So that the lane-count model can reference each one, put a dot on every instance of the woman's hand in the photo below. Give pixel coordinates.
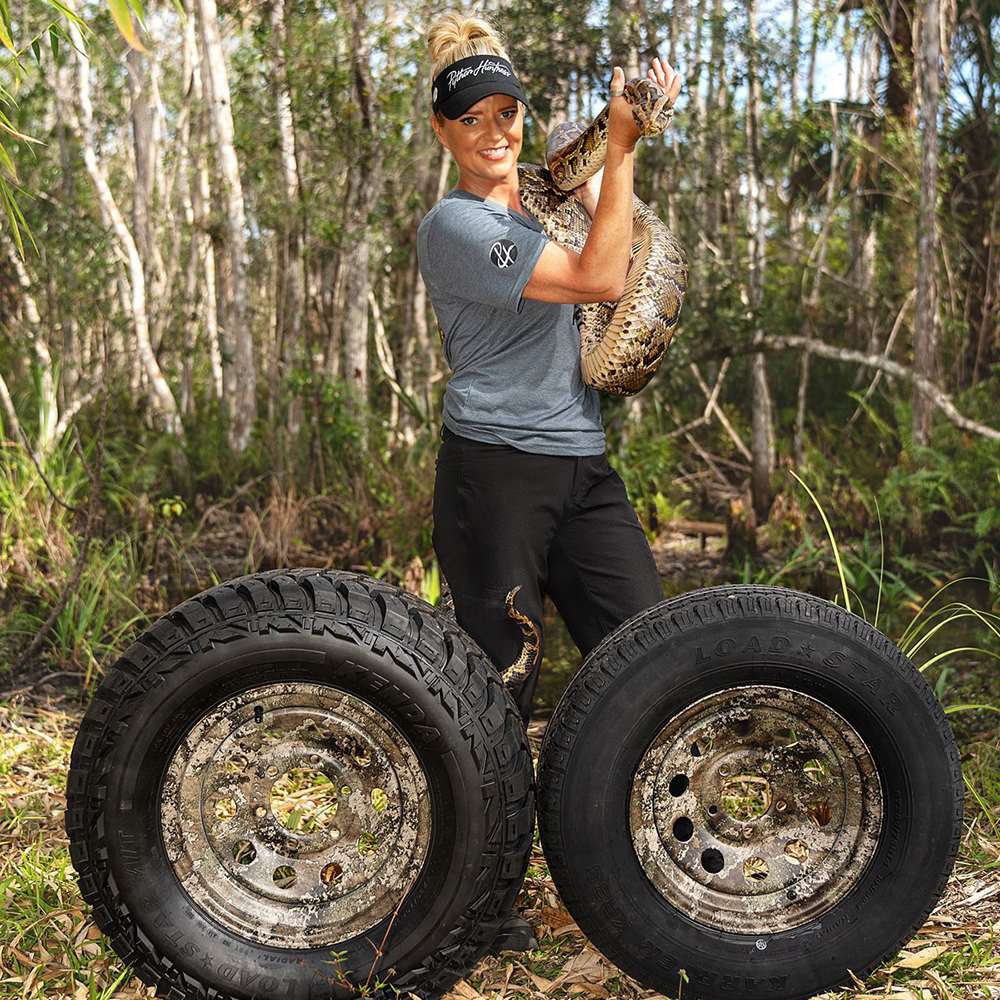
(622, 129)
(589, 191)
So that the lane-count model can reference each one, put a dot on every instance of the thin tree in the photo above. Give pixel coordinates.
(925, 334)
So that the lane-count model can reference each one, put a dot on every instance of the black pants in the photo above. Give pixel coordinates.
(554, 524)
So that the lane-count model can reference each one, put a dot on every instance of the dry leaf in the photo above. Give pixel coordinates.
(540, 981)
(588, 967)
(465, 991)
(921, 958)
(555, 917)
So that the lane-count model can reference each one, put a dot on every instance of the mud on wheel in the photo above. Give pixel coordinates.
(298, 784)
(754, 786)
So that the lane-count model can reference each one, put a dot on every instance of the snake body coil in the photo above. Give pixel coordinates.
(623, 342)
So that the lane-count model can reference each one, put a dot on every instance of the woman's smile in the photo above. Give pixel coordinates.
(489, 132)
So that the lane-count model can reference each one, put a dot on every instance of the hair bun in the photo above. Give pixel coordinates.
(455, 35)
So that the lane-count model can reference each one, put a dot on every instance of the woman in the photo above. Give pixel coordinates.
(524, 500)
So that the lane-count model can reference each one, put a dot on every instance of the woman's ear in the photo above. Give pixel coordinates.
(438, 130)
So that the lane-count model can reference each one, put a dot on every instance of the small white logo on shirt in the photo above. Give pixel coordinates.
(434, 95)
(503, 253)
(484, 65)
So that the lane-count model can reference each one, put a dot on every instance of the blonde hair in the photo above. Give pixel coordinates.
(455, 36)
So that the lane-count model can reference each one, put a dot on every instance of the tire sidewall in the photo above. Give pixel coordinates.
(147, 885)
(618, 711)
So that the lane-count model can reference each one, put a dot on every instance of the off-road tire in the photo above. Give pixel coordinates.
(353, 634)
(652, 669)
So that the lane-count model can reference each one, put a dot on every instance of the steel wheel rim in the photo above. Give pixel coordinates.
(756, 809)
(250, 861)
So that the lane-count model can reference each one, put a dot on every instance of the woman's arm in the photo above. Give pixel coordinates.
(588, 193)
(597, 273)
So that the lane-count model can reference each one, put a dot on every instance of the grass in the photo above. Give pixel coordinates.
(51, 950)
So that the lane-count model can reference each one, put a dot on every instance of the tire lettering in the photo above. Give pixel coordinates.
(128, 847)
(753, 646)
(779, 643)
(857, 668)
(834, 659)
(724, 646)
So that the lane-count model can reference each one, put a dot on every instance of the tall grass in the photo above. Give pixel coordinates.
(39, 547)
(926, 624)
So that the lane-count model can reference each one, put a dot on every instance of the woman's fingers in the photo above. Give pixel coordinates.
(667, 78)
(617, 81)
(660, 72)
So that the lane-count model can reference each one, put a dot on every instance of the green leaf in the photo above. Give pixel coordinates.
(969, 708)
(121, 12)
(833, 540)
(69, 14)
(136, 6)
(54, 40)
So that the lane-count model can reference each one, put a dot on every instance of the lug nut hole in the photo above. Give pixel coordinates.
(712, 861)
(284, 876)
(244, 853)
(678, 785)
(755, 869)
(683, 828)
(331, 874)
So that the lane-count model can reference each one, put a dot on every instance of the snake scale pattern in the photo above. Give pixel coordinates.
(623, 342)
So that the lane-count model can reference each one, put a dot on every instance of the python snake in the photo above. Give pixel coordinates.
(623, 342)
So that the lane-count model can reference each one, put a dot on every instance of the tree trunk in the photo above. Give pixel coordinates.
(811, 302)
(762, 421)
(242, 403)
(366, 183)
(161, 397)
(291, 297)
(202, 245)
(925, 332)
(48, 403)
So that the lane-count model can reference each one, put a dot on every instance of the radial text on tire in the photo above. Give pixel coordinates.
(283, 695)
(751, 785)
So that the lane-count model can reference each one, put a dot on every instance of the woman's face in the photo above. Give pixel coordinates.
(495, 121)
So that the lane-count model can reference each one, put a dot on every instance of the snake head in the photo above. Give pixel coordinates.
(652, 107)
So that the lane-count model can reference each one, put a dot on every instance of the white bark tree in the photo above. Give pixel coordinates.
(241, 390)
(161, 397)
(925, 335)
(290, 299)
(762, 419)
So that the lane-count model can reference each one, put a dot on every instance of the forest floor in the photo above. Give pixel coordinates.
(51, 950)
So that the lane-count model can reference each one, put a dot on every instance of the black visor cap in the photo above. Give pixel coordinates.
(458, 86)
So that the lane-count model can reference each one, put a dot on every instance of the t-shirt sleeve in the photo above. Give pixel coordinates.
(480, 256)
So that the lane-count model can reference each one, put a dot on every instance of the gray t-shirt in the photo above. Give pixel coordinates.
(515, 361)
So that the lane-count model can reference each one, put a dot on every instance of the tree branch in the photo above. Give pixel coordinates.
(937, 396)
